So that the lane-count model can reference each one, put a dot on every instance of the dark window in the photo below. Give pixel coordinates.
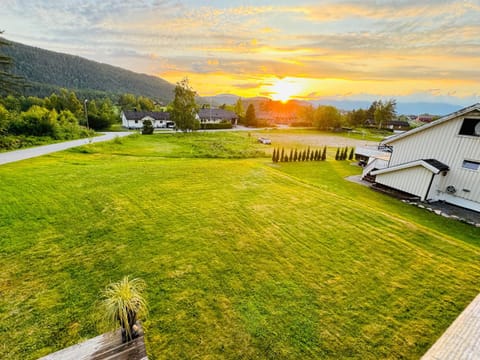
(471, 165)
(136, 121)
(470, 127)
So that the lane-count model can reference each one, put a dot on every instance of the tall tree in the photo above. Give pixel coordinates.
(145, 103)
(307, 115)
(9, 83)
(239, 108)
(382, 112)
(357, 117)
(327, 117)
(184, 108)
(127, 102)
(250, 117)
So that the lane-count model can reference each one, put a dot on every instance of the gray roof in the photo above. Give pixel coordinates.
(216, 114)
(432, 165)
(370, 151)
(437, 164)
(139, 115)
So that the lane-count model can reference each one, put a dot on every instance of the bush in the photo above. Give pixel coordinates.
(301, 124)
(147, 127)
(208, 126)
(99, 122)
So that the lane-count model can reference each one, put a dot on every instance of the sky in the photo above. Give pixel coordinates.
(361, 50)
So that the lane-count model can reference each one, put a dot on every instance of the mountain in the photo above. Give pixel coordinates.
(406, 108)
(47, 71)
(403, 107)
(220, 99)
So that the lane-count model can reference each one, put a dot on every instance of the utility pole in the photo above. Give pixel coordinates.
(86, 113)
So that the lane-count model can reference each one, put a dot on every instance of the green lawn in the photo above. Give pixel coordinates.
(243, 259)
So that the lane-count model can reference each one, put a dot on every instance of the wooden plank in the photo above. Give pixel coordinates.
(461, 341)
(108, 346)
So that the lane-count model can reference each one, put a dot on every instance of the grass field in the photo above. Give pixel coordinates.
(243, 259)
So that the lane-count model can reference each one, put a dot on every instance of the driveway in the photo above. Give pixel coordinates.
(23, 154)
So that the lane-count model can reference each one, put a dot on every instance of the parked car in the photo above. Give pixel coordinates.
(264, 141)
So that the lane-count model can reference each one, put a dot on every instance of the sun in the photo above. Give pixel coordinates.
(283, 89)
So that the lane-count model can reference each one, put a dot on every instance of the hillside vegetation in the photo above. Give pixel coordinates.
(243, 259)
(48, 71)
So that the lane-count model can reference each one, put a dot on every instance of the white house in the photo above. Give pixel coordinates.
(438, 161)
(134, 119)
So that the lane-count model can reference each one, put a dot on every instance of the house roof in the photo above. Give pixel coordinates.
(216, 114)
(139, 115)
(399, 123)
(456, 114)
(432, 165)
(370, 151)
(437, 164)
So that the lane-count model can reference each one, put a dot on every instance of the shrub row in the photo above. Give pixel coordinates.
(343, 154)
(209, 126)
(280, 155)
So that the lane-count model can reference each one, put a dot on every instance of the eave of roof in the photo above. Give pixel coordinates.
(363, 151)
(432, 165)
(446, 118)
(139, 115)
(216, 113)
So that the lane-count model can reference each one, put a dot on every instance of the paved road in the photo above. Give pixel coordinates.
(23, 154)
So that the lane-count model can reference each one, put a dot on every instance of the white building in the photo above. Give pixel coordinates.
(438, 161)
(134, 119)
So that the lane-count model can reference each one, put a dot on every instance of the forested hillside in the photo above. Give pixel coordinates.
(48, 71)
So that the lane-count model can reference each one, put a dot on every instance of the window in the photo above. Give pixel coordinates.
(470, 127)
(471, 165)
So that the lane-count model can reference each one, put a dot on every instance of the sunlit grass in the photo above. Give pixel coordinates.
(242, 258)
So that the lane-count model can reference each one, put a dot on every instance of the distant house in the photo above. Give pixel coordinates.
(398, 125)
(217, 116)
(265, 117)
(437, 161)
(425, 118)
(132, 119)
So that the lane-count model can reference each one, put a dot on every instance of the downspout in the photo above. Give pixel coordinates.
(391, 153)
(429, 186)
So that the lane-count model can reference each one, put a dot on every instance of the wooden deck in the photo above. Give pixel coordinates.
(461, 341)
(108, 346)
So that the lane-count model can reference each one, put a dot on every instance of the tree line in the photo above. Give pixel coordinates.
(326, 117)
(58, 117)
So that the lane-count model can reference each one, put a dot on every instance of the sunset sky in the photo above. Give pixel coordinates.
(363, 50)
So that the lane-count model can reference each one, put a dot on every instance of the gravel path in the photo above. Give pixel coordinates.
(316, 139)
(23, 154)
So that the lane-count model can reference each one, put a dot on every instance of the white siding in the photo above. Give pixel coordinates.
(131, 124)
(443, 143)
(413, 180)
(374, 163)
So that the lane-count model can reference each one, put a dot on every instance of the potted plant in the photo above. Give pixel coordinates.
(123, 304)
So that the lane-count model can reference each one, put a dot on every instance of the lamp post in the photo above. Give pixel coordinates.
(86, 113)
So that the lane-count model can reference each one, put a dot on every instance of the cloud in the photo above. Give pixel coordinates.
(246, 86)
(406, 43)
